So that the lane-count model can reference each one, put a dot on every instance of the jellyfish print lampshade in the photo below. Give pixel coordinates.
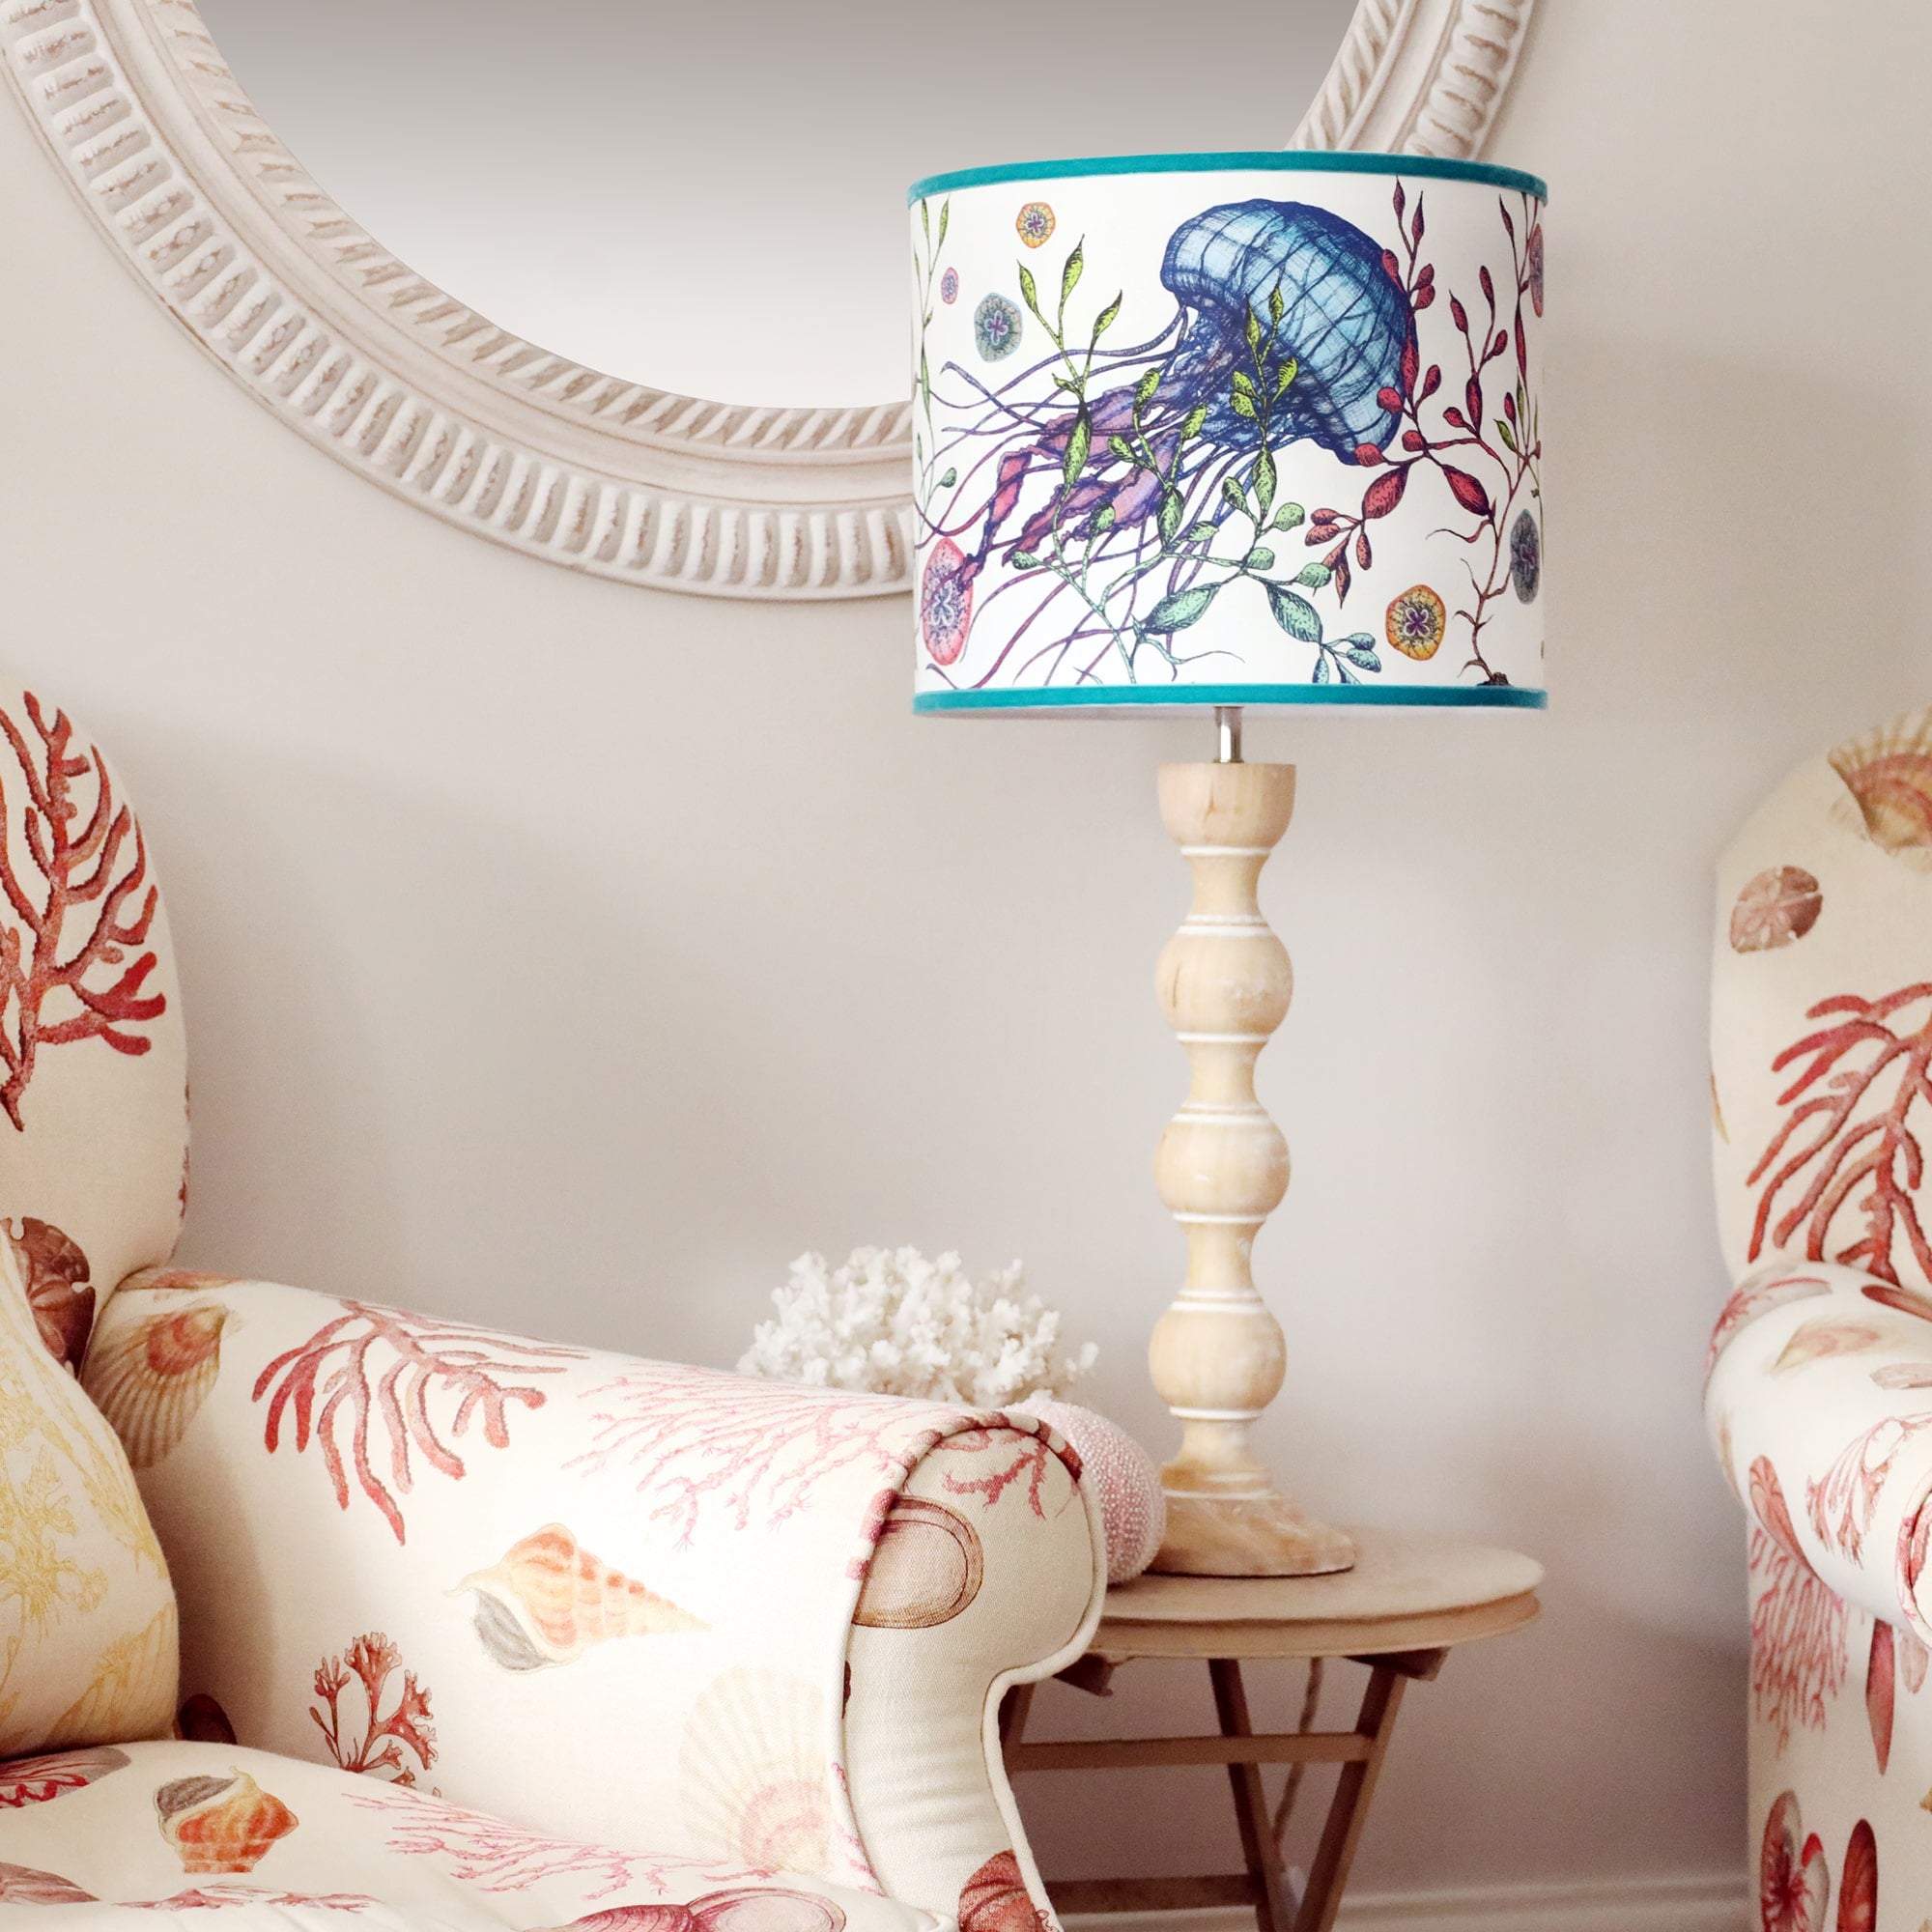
(1229, 429)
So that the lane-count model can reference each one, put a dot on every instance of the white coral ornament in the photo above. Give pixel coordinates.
(892, 1322)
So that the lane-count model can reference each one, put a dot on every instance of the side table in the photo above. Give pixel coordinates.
(1406, 1604)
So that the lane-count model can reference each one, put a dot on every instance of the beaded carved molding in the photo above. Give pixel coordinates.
(419, 392)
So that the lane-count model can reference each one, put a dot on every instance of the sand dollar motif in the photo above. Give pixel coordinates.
(1774, 908)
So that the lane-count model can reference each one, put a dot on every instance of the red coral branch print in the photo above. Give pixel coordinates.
(498, 1857)
(1859, 1144)
(67, 925)
(1798, 1623)
(1841, 1504)
(1030, 1457)
(385, 1367)
(697, 1438)
(369, 1662)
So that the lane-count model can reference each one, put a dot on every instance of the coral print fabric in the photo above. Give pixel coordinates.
(1820, 1377)
(87, 1614)
(749, 1627)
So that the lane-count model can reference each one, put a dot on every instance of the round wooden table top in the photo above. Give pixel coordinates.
(1406, 1592)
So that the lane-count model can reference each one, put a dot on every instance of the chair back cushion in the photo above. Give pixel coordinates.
(1821, 1024)
(93, 1058)
(88, 1642)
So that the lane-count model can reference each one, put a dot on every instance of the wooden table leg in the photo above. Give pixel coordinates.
(1348, 1808)
(1013, 1713)
(1274, 1910)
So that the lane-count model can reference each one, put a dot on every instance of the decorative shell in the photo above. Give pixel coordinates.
(1777, 906)
(34, 1780)
(149, 1382)
(755, 1781)
(995, 1900)
(1133, 1509)
(221, 1824)
(550, 1599)
(58, 1289)
(925, 1569)
(22, 1885)
(1889, 772)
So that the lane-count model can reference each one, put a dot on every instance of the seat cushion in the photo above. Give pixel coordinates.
(210, 1824)
(89, 1649)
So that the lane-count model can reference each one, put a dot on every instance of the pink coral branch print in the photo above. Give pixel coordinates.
(1798, 1624)
(697, 1439)
(1031, 1457)
(498, 1857)
(72, 907)
(369, 1662)
(376, 1371)
(1850, 1141)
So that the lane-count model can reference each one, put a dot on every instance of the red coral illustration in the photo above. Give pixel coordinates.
(384, 1366)
(1794, 1882)
(498, 1857)
(1841, 1504)
(1856, 1139)
(1798, 1623)
(389, 1740)
(699, 1439)
(1031, 1457)
(76, 898)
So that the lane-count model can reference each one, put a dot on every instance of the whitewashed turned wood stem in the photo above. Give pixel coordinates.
(412, 389)
(1217, 1355)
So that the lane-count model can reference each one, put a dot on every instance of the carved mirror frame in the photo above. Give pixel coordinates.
(342, 341)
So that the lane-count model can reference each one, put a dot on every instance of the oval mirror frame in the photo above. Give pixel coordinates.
(419, 392)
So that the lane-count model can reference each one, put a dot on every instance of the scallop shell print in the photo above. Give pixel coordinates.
(550, 1599)
(221, 1824)
(1777, 905)
(1889, 772)
(755, 1781)
(150, 1383)
(995, 1900)
(926, 1569)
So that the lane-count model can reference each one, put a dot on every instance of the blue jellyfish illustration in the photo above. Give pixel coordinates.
(996, 327)
(1343, 319)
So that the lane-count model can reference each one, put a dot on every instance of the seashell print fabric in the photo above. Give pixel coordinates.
(755, 1624)
(198, 1825)
(88, 1639)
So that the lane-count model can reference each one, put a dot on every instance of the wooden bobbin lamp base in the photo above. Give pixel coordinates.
(1217, 1355)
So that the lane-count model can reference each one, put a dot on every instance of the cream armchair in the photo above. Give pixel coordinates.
(1819, 1385)
(505, 1632)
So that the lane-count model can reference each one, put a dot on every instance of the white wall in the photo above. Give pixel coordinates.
(564, 955)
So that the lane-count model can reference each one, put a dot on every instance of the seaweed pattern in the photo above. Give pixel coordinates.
(1798, 1658)
(370, 1661)
(92, 870)
(1861, 1149)
(384, 1367)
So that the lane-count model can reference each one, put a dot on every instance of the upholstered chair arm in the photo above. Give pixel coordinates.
(1818, 1395)
(616, 1601)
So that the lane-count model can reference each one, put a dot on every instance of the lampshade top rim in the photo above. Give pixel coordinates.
(1293, 160)
(1177, 697)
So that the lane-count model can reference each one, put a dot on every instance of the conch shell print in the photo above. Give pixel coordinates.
(925, 1569)
(34, 1780)
(149, 1382)
(995, 1900)
(550, 1599)
(221, 1824)
(751, 1908)
(58, 1289)
(1888, 773)
(755, 1782)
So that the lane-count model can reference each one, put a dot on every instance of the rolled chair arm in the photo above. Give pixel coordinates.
(1818, 1394)
(616, 1601)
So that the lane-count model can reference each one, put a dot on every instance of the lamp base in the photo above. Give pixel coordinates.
(1268, 1535)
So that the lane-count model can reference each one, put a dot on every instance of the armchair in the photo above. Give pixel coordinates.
(501, 1631)
(1819, 1379)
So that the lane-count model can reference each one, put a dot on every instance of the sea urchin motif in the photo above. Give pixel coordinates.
(996, 327)
(944, 602)
(1525, 557)
(1416, 620)
(948, 286)
(1036, 223)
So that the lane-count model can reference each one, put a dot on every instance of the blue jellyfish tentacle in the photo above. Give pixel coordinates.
(1344, 320)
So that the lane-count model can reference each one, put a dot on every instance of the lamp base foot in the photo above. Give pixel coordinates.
(1268, 1535)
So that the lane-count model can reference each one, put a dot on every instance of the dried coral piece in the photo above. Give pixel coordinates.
(1889, 772)
(1776, 907)
(995, 1900)
(550, 1599)
(151, 1382)
(59, 1290)
(221, 1824)
(926, 1569)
